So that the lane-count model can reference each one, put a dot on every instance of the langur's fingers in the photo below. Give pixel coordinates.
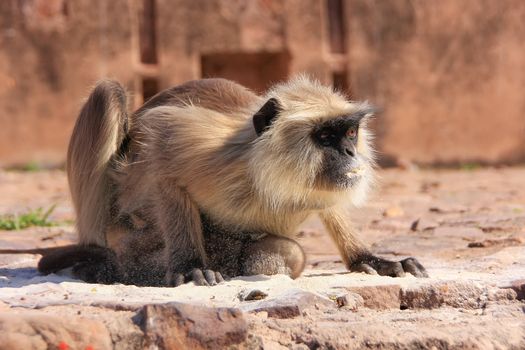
(210, 277)
(391, 268)
(178, 280)
(413, 266)
(218, 277)
(364, 268)
(174, 279)
(197, 277)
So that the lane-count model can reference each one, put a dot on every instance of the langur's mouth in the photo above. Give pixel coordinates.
(357, 171)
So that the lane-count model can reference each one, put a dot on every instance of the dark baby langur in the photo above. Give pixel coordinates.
(209, 179)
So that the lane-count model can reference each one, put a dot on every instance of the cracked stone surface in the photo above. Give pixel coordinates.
(466, 227)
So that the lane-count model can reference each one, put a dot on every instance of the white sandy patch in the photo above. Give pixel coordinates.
(21, 285)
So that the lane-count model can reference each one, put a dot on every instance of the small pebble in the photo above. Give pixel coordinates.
(255, 295)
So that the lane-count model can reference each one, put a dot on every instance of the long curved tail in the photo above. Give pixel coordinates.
(98, 133)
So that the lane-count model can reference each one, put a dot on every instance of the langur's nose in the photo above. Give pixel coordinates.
(350, 151)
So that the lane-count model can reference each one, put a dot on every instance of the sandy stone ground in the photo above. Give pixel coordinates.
(466, 226)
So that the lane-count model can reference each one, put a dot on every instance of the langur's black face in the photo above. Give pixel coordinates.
(337, 139)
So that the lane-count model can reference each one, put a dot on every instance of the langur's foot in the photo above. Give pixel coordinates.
(374, 265)
(198, 276)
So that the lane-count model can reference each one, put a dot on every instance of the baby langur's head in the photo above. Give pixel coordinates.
(312, 145)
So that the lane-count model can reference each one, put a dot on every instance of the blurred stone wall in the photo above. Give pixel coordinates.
(448, 74)
(51, 52)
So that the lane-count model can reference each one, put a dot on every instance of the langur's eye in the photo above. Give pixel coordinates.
(352, 132)
(324, 135)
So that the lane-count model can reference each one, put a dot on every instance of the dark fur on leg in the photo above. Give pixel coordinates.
(243, 253)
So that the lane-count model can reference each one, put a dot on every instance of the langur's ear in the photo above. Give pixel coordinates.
(365, 112)
(265, 116)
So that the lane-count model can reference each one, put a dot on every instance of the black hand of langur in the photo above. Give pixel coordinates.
(371, 264)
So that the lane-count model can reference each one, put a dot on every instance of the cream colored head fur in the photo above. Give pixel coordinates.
(288, 146)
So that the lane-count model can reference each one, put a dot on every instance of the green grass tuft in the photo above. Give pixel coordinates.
(470, 166)
(37, 217)
(31, 167)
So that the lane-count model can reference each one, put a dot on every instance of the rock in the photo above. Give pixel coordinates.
(35, 330)
(290, 304)
(253, 295)
(448, 209)
(503, 242)
(427, 297)
(414, 225)
(379, 297)
(280, 310)
(393, 212)
(501, 294)
(428, 186)
(518, 286)
(468, 295)
(423, 224)
(185, 326)
(350, 301)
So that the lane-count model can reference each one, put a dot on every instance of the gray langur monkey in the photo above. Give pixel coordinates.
(209, 179)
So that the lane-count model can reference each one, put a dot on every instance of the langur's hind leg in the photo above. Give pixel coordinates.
(272, 255)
